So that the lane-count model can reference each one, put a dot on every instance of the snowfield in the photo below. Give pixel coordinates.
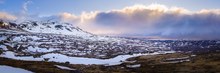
(78, 60)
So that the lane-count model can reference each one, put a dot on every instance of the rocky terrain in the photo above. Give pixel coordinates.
(62, 48)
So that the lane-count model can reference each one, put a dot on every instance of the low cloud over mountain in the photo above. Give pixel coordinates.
(153, 20)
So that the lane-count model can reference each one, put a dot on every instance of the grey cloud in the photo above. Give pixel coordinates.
(165, 24)
(153, 20)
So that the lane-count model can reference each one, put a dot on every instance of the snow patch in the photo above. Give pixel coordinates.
(3, 38)
(10, 54)
(63, 67)
(3, 47)
(78, 60)
(134, 66)
(9, 69)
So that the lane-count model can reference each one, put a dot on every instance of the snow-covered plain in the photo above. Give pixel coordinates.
(9, 69)
(79, 60)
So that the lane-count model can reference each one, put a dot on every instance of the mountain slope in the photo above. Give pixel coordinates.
(53, 27)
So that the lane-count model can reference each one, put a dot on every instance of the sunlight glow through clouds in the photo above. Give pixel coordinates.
(149, 20)
(155, 19)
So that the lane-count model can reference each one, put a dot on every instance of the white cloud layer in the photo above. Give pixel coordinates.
(25, 6)
(153, 20)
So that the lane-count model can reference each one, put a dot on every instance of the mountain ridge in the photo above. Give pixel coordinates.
(48, 26)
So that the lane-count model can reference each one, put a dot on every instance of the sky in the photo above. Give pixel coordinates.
(171, 19)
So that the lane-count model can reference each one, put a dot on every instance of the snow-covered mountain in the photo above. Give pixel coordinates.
(53, 27)
(48, 26)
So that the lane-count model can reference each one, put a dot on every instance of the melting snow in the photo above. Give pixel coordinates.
(78, 60)
(2, 38)
(3, 47)
(11, 55)
(63, 67)
(134, 66)
(9, 69)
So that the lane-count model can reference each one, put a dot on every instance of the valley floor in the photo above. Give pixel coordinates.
(166, 63)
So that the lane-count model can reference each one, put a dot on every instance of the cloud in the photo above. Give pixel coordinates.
(7, 16)
(23, 14)
(25, 6)
(150, 21)
(153, 20)
(68, 17)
